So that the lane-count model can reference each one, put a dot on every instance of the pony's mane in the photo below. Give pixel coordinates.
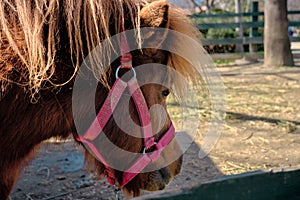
(23, 35)
(22, 32)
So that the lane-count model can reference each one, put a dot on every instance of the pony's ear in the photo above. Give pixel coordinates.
(155, 14)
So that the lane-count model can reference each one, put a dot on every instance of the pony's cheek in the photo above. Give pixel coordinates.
(172, 152)
(153, 181)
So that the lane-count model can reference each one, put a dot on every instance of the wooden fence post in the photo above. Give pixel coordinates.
(254, 30)
(240, 29)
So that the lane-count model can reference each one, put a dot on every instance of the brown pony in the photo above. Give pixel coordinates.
(42, 45)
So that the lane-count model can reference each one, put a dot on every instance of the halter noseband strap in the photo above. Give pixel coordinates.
(106, 112)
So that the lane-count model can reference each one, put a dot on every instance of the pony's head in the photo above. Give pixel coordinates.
(152, 68)
(125, 128)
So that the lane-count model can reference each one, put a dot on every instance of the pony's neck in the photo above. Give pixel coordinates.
(33, 123)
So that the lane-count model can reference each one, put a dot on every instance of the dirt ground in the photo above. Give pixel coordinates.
(262, 131)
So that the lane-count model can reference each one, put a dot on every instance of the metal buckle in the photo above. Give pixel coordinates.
(117, 192)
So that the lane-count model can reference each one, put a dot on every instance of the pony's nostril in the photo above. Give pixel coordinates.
(165, 175)
(161, 187)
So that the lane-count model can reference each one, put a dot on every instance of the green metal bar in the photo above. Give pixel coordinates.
(295, 39)
(294, 23)
(225, 15)
(229, 15)
(254, 30)
(229, 25)
(236, 25)
(294, 12)
(254, 18)
(245, 40)
(221, 41)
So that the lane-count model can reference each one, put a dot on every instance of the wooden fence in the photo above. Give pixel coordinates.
(253, 39)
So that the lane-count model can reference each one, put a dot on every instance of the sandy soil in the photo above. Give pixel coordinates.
(262, 131)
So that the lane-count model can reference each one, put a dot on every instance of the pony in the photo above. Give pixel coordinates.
(43, 43)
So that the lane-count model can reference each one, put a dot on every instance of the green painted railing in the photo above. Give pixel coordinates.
(254, 24)
(283, 185)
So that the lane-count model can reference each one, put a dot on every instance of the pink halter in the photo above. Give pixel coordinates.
(106, 112)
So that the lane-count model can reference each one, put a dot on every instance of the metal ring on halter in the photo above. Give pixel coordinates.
(120, 67)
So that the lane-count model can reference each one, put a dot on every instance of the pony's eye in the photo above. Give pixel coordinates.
(165, 93)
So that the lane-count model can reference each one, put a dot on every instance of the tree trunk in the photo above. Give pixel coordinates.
(276, 40)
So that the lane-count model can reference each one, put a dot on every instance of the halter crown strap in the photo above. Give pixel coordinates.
(126, 59)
